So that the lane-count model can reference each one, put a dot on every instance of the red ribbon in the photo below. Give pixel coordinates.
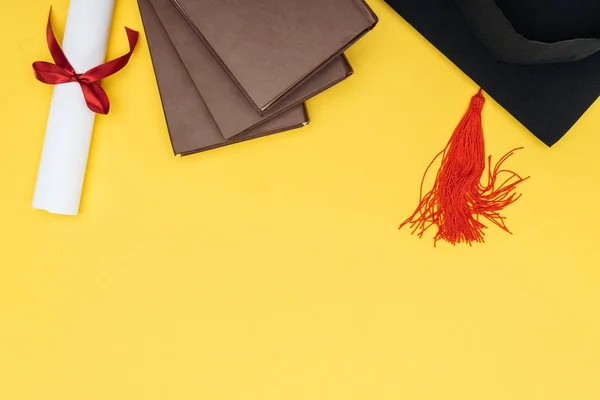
(63, 72)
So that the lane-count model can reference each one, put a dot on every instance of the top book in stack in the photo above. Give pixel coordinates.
(269, 47)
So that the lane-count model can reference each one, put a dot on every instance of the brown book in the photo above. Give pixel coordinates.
(190, 124)
(229, 107)
(269, 47)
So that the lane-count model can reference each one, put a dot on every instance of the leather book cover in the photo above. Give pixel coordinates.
(190, 124)
(269, 47)
(229, 107)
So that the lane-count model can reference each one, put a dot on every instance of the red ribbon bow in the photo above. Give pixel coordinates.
(63, 72)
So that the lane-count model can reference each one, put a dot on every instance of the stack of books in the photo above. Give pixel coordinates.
(234, 70)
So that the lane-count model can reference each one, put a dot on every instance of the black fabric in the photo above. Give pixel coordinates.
(547, 99)
(553, 20)
(498, 36)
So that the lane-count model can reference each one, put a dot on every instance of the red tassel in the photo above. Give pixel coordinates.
(458, 199)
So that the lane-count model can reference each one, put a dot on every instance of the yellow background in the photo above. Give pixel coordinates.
(274, 269)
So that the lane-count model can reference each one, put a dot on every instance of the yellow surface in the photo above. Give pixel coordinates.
(274, 269)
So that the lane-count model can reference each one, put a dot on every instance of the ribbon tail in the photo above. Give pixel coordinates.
(55, 50)
(95, 97)
(111, 67)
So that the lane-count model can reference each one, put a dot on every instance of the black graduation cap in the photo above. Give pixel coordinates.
(539, 59)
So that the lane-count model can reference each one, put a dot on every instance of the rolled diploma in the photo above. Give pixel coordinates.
(70, 122)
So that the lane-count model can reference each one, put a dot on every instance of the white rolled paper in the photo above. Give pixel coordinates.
(70, 122)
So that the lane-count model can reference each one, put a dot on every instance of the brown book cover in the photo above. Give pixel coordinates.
(269, 47)
(190, 124)
(229, 107)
